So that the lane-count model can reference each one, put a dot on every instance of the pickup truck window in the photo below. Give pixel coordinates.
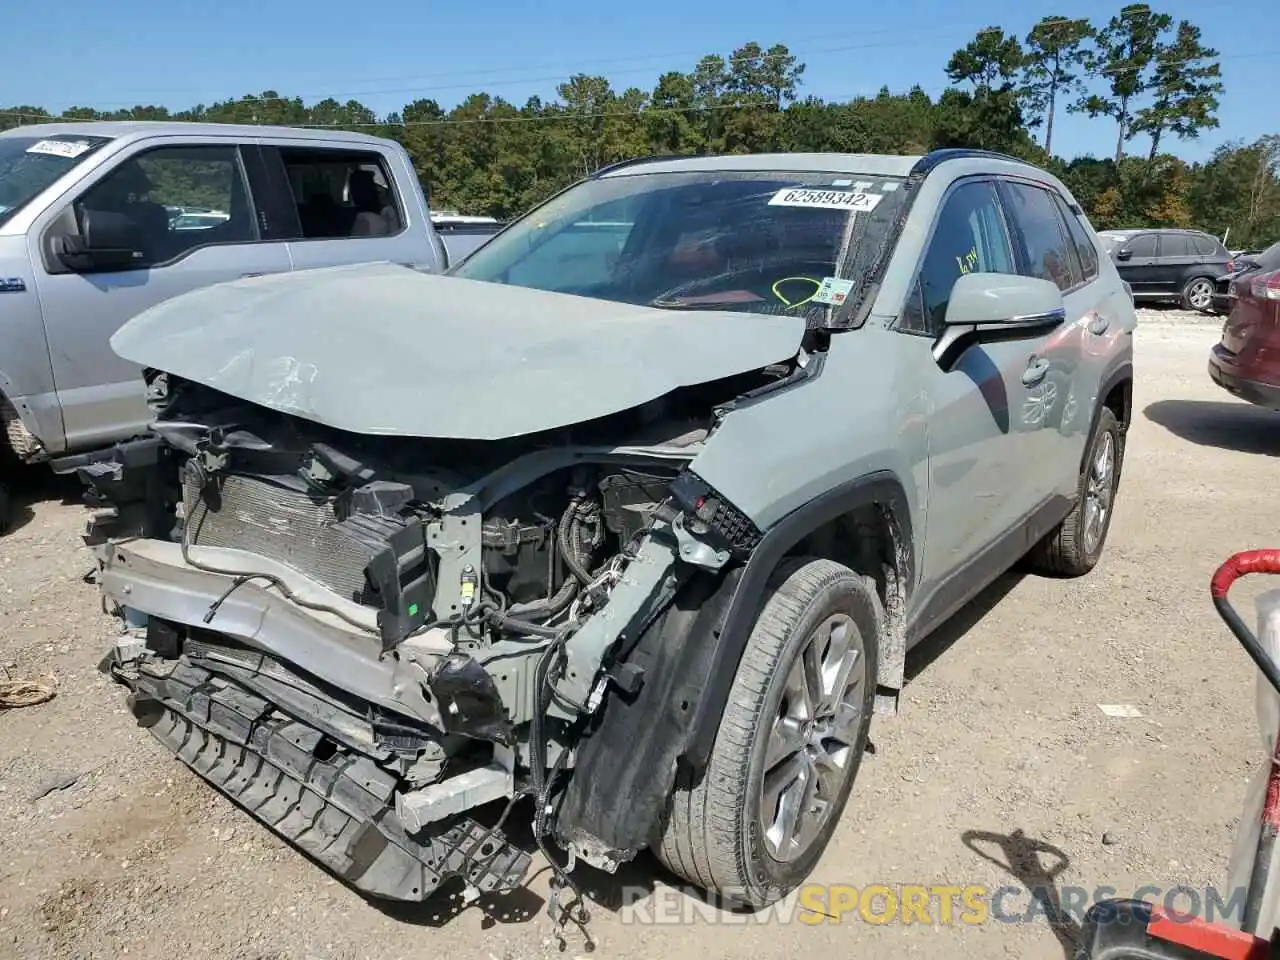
(342, 193)
(155, 190)
(30, 164)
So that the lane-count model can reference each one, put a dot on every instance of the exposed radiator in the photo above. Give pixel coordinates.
(284, 525)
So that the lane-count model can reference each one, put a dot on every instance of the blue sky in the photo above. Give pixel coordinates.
(177, 53)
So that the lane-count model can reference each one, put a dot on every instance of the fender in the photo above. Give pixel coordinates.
(881, 487)
(629, 757)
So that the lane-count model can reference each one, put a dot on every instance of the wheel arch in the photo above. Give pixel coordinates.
(1116, 395)
(629, 757)
(864, 524)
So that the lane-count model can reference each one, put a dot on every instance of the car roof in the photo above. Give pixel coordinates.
(867, 164)
(139, 129)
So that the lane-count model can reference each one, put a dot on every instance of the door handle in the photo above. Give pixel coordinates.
(1035, 372)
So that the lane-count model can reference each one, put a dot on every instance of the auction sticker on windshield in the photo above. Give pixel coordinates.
(824, 199)
(60, 148)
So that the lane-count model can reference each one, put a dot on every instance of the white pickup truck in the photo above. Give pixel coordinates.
(96, 225)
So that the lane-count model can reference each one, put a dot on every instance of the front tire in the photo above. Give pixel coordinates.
(1198, 295)
(1075, 545)
(790, 743)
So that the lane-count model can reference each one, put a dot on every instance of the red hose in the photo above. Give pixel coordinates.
(1241, 565)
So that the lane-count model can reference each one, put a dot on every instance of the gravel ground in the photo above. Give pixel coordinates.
(1000, 770)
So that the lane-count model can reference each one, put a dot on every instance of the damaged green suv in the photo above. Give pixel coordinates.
(636, 513)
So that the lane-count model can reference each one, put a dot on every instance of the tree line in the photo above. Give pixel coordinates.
(1141, 71)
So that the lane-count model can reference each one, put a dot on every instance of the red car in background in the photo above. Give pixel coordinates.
(1246, 362)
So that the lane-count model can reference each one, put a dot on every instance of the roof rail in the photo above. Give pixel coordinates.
(610, 167)
(936, 157)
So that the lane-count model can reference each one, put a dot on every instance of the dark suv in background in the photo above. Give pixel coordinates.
(1179, 265)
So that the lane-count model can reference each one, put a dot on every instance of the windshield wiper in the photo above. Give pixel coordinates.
(742, 305)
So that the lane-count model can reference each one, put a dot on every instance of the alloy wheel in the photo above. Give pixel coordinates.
(1200, 295)
(1099, 491)
(812, 738)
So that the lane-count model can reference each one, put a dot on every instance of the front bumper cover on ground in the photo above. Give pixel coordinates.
(332, 803)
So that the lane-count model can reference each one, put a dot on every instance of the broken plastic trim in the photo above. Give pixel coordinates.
(468, 700)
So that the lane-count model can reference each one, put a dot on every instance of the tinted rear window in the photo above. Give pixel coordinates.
(1048, 255)
(1080, 239)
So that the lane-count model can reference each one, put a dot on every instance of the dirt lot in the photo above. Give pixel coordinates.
(111, 847)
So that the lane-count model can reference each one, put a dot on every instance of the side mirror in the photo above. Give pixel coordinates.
(107, 241)
(992, 307)
(1124, 254)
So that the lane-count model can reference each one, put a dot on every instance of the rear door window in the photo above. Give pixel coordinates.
(1176, 245)
(1046, 251)
(1085, 249)
(342, 193)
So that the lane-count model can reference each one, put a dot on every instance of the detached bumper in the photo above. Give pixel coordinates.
(332, 803)
(261, 733)
(150, 576)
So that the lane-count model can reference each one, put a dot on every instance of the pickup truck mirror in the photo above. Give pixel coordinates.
(107, 241)
(991, 307)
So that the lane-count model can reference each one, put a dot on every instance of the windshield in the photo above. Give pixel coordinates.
(758, 242)
(30, 164)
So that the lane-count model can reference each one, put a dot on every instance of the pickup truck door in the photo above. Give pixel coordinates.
(349, 204)
(192, 222)
(982, 478)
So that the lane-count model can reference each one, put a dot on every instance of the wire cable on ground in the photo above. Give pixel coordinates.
(15, 694)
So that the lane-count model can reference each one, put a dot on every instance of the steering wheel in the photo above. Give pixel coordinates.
(764, 279)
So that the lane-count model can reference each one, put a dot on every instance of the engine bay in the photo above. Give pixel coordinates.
(451, 613)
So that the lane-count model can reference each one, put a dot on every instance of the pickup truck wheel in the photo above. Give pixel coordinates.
(790, 742)
(1198, 294)
(1075, 546)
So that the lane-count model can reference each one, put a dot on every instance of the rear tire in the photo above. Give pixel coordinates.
(1075, 545)
(1198, 295)
(798, 744)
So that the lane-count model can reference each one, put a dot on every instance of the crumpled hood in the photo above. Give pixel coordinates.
(385, 350)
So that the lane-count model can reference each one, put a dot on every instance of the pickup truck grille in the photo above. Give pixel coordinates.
(274, 521)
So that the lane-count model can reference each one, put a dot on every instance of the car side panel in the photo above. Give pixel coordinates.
(1144, 274)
